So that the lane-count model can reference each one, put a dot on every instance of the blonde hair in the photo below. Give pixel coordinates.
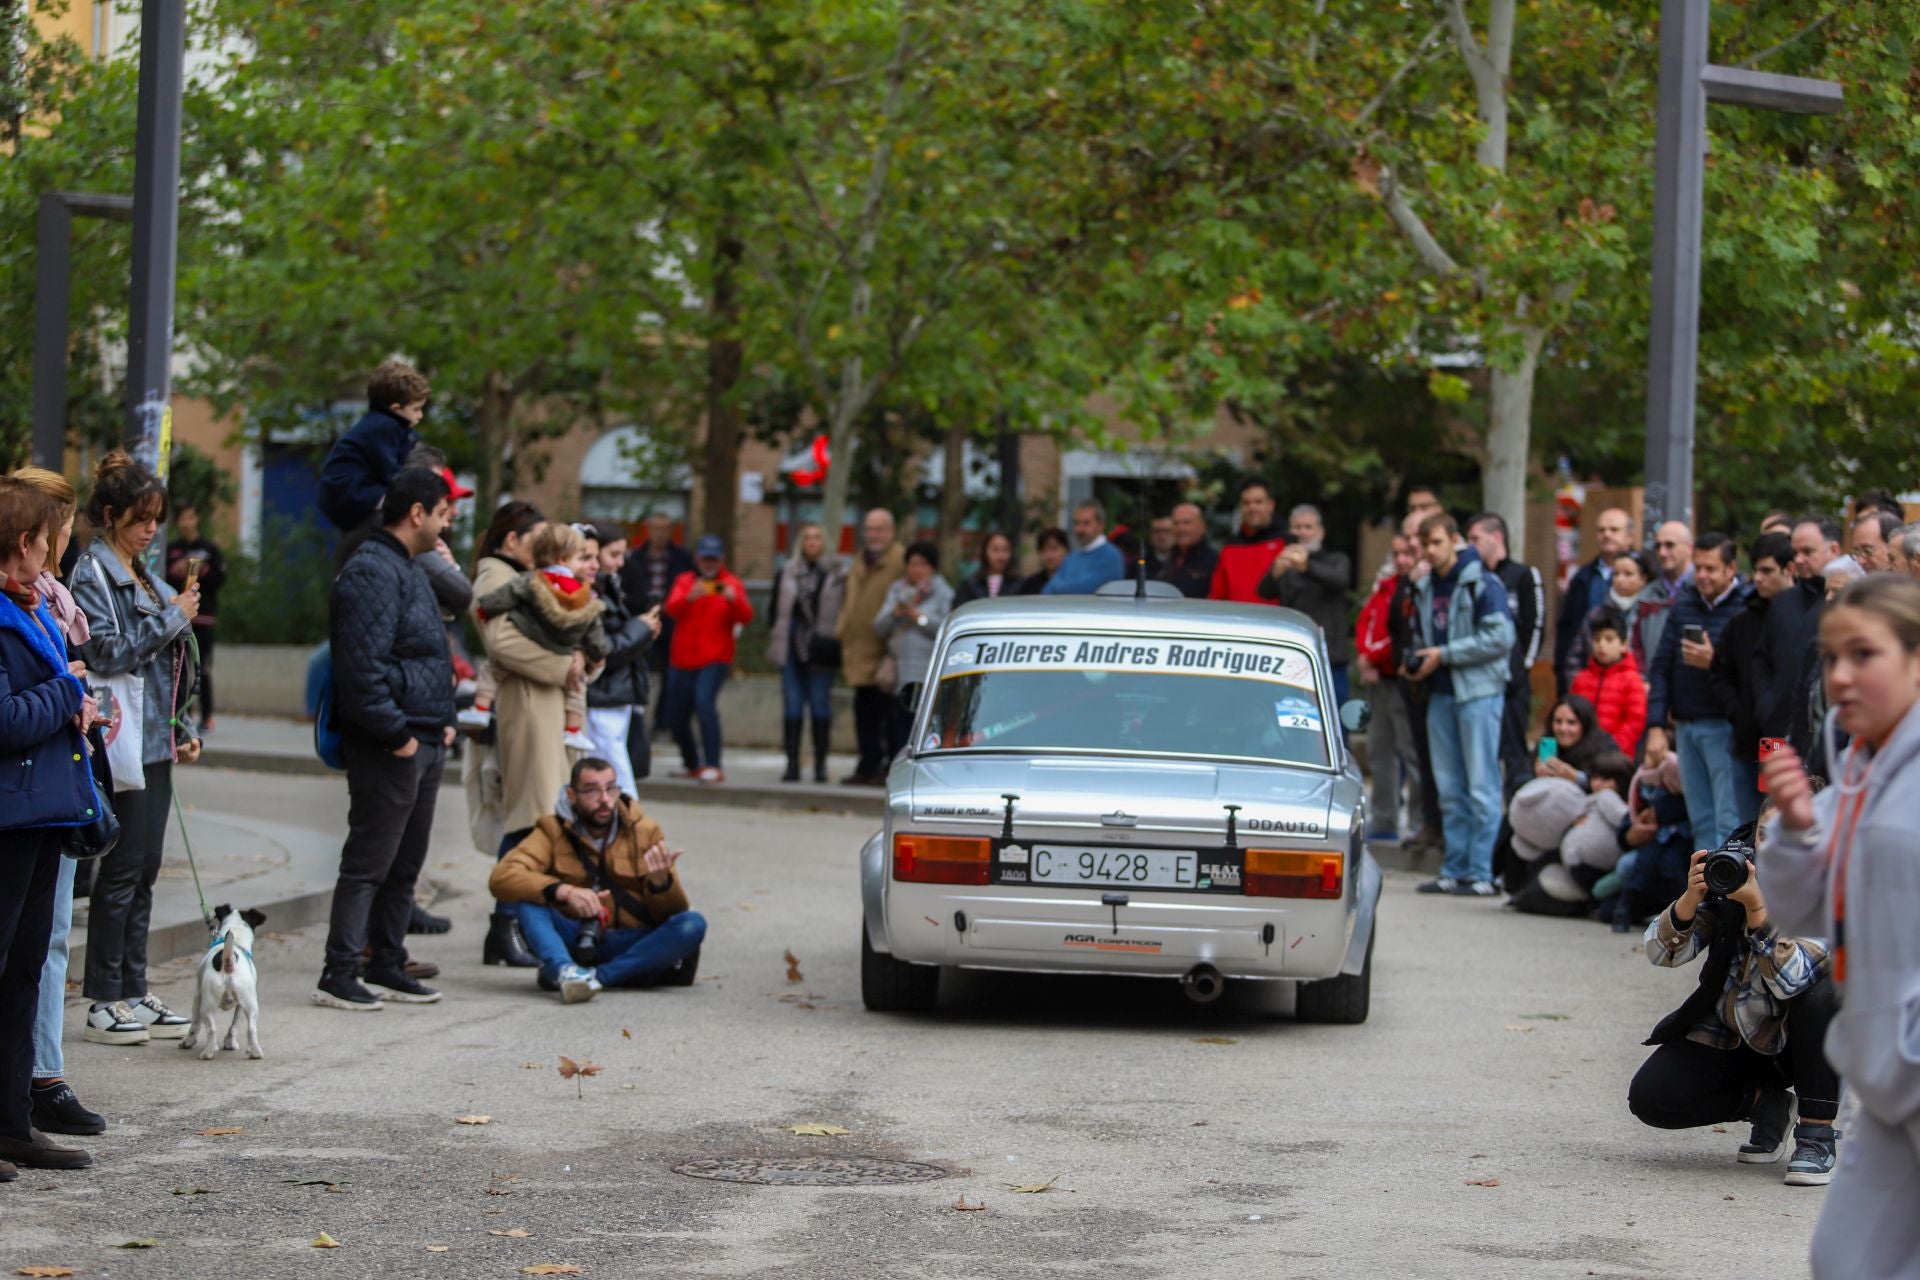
(57, 489)
(556, 544)
(1893, 598)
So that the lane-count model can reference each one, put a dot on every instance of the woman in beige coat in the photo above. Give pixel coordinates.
(529, 710)
(879, 561)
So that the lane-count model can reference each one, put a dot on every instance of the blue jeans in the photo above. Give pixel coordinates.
(48, 1060)
(1340, 687)
(1464, 738)
(1706, 770)
(691, 691)
(628, 957)
(806, 690)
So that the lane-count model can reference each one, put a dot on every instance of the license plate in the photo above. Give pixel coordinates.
(1138, 868)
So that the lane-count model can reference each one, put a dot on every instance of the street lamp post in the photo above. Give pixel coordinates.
(1687, 84)
(156, 226)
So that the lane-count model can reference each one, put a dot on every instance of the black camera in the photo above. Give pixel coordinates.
(586, 943)
(1727, 868)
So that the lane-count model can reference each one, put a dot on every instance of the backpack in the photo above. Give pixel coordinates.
(326, 729)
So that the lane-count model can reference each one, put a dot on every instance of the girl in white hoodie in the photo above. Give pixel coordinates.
(1846, 864)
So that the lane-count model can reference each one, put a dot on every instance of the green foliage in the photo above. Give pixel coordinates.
(279, 595)
(195, 480)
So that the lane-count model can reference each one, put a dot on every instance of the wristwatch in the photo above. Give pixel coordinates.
(920, 621)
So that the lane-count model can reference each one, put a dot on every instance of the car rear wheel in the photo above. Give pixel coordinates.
(894, 986)
(1343, 998)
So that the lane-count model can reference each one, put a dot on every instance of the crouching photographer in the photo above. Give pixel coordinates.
(597, 894)
(1753, 1029)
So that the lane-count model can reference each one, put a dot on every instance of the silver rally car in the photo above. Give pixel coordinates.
(1124, 783)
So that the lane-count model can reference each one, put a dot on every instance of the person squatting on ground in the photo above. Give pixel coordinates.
(1465, 634)
(1844, 864)
(808, 597)
(137, 626)
(598, 893)
(1751, 1030)
(617, 701)
(708, 608)
(393, 700)
(554, 606)
(45, 711)
(56, 1107)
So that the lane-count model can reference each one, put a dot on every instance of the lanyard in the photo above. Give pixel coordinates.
(1853, 804)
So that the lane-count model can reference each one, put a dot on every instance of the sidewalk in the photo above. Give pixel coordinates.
(265, 744)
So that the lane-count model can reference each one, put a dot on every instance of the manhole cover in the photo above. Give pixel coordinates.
(818, 1171)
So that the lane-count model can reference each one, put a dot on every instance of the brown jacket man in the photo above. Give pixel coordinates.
(534, 869)
(861, 647)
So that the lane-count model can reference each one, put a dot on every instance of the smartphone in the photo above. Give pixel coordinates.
(1769, 747)
(1549, 747)
(1694, 633)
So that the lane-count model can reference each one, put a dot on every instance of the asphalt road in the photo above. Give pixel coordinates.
(1179, 1140)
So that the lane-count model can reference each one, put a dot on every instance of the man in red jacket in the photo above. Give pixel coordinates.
(1248, 555)
(1392, 750)
(707, 606)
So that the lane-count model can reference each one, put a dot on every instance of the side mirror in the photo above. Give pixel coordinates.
(908, 697)
(1355, 715)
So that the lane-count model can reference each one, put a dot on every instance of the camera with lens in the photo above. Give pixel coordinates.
(586, 943)
(1726, 869)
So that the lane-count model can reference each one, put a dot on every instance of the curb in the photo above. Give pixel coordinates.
(189, 937)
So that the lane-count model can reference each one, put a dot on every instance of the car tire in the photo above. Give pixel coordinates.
(895, 986)
(1341, 999)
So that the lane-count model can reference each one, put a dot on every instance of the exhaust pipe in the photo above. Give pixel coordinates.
(1203, 984)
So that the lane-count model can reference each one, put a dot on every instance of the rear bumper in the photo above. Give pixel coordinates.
(1069, 931)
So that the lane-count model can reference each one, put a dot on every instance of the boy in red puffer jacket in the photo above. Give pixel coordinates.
(1613, 684)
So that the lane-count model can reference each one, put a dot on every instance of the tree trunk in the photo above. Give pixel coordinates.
(494, 427)
(953, 494)
(721, 479)
(1503, 486)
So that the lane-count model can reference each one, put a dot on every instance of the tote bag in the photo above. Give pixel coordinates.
(128, 732)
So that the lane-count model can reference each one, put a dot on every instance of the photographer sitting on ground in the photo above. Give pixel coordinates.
(597, 895)
(1755, 1025)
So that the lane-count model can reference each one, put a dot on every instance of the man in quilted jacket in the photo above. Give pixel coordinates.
(393, 699)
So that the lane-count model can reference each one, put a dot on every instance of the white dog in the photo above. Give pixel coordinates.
(228, 980)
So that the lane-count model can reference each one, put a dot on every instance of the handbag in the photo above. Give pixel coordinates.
(823, 651)
(128, 732)
(94, 840)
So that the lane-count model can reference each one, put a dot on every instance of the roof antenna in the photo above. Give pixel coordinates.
(1142, 532)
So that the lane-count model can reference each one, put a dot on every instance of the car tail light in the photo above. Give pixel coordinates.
(1285, 873)
(941, 859)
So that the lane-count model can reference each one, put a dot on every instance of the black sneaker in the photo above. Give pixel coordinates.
(343, 991)
(398, 988)
(1813, 1155)
(57, 1110)
(1768, 1141)
(1476, 889)
(424, 921)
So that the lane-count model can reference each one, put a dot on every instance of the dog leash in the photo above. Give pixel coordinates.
(173, 722)
(206, 916)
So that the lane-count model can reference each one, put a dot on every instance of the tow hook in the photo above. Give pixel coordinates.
(1203, 984)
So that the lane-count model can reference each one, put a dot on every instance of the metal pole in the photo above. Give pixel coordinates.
(1679, 161)
(156, 224)
(53, 235)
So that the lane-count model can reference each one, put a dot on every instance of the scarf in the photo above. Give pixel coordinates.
(1625, 604)
(22, 594)
(807, 585)
(65, 611)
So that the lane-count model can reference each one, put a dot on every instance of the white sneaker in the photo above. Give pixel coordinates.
(161, 1022)
(473, 719)
(578, 985)
(114, 1023)
(578, 741)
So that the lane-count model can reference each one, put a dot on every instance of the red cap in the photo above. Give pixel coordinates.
(454, 488)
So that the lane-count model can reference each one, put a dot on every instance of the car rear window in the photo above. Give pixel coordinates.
(1160, 696)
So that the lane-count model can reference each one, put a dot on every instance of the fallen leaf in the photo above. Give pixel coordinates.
(533, 1066)
(569, 1068)
(438, 1248)
(1478, 1155)
(473, 1119)
(193, 1191)
(1547, 1017)
(1726, 1197)
(338, 1189)
(1719, 1128)
(149, 1242)
(224, 1131)
(1199, 1124)
(1033, 1188)
(325, 1241)
(1512, 1027)
(512, 1233)
(962, 1205)
(43, 1271)
(552, 1269)
(1215, 1040)
(625, 1034)
(313, 1182)
(814, 1129)
(1483, 1182)
(793, 968)
(806, 1004)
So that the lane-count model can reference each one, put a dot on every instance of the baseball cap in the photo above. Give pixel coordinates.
(455, 490)
(710, 545)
